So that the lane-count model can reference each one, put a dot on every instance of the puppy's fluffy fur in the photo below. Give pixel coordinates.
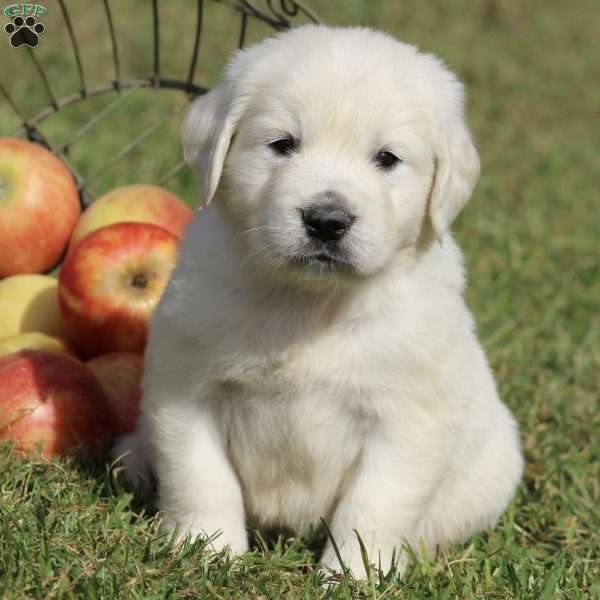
(290, 379)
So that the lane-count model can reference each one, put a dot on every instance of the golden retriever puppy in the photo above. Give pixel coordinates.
(312, 356)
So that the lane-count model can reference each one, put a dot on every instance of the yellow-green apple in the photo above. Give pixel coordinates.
(134, 203)
(39, 206)
(120, 374)
(33, 340)
(111, 282)
(29, 303)
(52, 403)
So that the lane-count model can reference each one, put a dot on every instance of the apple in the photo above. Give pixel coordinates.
(111, 282)
(120, 374)
(52, 402)
(134, 203)
(33, 340)
(29, 303)
(39, 206)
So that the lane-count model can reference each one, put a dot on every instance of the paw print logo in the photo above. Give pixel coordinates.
(24, 31)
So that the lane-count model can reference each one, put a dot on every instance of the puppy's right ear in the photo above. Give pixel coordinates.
(207, 130)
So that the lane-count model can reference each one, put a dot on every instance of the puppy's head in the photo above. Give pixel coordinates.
(332, 150)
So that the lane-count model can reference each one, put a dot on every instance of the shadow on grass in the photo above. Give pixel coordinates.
(278, 539)
(108, 476)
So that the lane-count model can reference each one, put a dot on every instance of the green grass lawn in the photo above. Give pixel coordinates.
(531, 241)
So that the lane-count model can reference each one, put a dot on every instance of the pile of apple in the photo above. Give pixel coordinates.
(71, 346)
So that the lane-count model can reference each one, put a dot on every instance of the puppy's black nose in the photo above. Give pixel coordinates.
(327, 223)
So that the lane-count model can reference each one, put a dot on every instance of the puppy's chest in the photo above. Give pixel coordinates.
(291, 446)
(245, 375)
(283, 390)
(293, 434)
(327, 367)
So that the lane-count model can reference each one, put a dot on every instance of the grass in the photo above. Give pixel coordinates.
(530, 236)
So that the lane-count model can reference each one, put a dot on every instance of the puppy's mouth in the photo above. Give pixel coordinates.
(324, 261)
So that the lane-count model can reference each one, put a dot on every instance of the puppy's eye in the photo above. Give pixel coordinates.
(285, 146)
(386, 161)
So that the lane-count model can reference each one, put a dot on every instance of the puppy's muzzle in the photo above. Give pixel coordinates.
(326, 222)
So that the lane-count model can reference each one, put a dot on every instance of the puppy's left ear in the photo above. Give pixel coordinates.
(456, 167)
(207, 130)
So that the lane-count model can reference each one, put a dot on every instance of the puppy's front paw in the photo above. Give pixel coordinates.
(219, 535)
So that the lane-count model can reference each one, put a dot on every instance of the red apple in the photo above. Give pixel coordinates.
(111, 282)
(120, 374)
(134, 203)
(39, 206)
(52, 402)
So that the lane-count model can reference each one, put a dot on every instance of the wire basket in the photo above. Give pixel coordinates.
(71, 92)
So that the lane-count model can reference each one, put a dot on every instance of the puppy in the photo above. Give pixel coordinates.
(312, 357)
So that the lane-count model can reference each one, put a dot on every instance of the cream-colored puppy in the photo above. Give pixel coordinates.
(312, 356)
